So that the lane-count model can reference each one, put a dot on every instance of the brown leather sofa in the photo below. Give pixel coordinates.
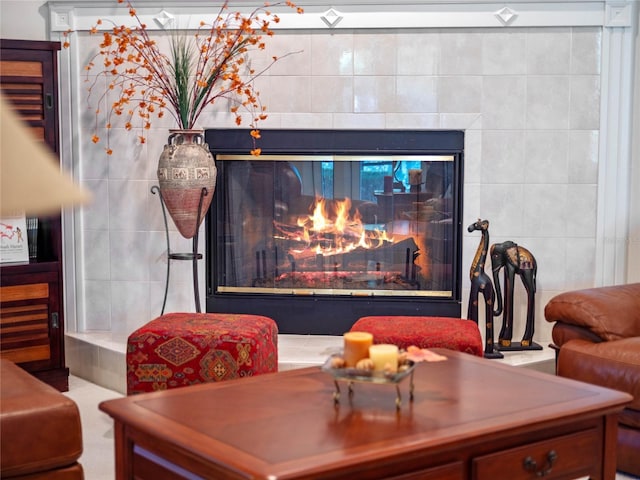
(41, 432)
(597, 334)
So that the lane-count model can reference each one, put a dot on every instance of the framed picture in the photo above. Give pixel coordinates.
(14, 246)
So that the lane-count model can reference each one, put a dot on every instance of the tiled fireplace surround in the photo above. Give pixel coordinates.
(542, 91)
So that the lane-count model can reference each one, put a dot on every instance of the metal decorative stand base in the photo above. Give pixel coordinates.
(492, 351)
(194, 256)
(337, 392)
(519, 346)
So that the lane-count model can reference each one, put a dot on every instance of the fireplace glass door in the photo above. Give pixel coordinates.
(336, 225)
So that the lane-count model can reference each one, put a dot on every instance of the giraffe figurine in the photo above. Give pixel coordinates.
(481, 283)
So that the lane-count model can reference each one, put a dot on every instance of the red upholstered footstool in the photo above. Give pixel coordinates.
(180, 349)
(424, 332)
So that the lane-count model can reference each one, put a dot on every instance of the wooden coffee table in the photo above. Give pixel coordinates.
(470, 418)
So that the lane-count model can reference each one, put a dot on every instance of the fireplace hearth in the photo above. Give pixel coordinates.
(328, 226)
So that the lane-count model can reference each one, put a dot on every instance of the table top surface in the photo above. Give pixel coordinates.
(287, 422)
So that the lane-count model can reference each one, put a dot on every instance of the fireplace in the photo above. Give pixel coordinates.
(325, 227)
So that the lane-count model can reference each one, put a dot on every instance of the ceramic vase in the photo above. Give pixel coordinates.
(185, 167)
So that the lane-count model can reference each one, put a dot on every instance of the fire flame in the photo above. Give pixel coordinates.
(330, 231)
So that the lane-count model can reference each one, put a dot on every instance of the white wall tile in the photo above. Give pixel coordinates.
(180, 297)
(418, 53)
(95, 164)
(290, 94)
(461, 52)
(129, 160)
(359, 120)
(545, 211)
(503, 206)
(97, 266)
(460, 94)
(586, 50)
(472, 209)
(128, 251)
(504, 52)
(503, 156)
(416, 94)
(158, 255)
(582, 200)
(503, 102)
(97, 305)
(332, 94)
(307, 120)
(129, 305)
(293, 51)
(585, 103)
(95, 215)
(374, 53)
(373, 94)
(548, 102)
(123, 194)
(421, 121)
(461, 121)
(546, 156)
(583, 156)
(332, 54)
(548, 51)
(473, 157)
(580, 256)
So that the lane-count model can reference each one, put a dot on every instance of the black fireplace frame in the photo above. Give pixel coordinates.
(333, 315)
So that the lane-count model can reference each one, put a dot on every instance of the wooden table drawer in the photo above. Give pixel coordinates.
(450, 471)
(557, 457)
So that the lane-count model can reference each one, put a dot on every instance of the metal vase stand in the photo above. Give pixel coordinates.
(194, 256)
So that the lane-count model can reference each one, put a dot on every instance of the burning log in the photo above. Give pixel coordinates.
(400, 253)
(351, 237)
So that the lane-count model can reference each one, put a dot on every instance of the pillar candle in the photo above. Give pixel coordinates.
(384, 357)
(356, 347)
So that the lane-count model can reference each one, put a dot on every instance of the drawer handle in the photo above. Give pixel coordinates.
(530, 465)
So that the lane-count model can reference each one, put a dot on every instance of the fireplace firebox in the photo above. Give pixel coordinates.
(327, 226)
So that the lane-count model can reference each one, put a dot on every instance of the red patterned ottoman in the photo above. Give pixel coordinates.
(424, 332)
(180, 349)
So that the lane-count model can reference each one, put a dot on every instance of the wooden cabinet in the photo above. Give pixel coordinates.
(31, 306)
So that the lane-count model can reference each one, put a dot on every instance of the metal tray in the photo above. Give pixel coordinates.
(352, 375)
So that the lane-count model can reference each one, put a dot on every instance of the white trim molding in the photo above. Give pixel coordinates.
(615, 160)
(354, 14)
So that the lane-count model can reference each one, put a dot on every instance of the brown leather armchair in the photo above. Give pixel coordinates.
(41, 432)
(597, 337)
